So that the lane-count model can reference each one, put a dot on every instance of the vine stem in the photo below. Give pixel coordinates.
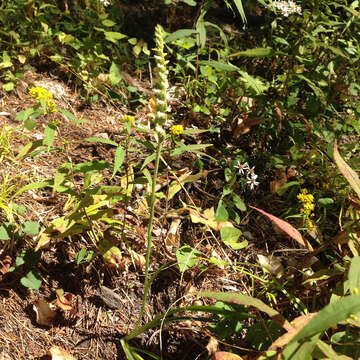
(150, 226)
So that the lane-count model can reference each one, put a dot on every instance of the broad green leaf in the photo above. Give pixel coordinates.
(119, 159)
(256, 52)
(24, 114)
(102, 141)
(221, 212)
(286, 227)
(180, 34)
(187, 257)
(325, 201)
(230, 237)
(114, 36)
(32, 280)
(354, 275)
(30, 227)
(350, 175)
(114, 74)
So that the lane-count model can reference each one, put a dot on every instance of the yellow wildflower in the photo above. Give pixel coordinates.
(176, 130)
(39, 93)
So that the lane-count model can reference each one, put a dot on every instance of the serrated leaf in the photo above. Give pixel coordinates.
(350, 175)
(119, 159)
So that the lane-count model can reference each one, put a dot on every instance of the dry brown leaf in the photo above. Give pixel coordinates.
(5, 263)
(212, 346)
(63, 300)
(139, 260)
(172, 238)
(44, 312)
(4, 356)
(57, 353)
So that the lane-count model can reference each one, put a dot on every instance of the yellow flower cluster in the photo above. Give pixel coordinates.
(308, 207)
(39, 93)
(176, 130)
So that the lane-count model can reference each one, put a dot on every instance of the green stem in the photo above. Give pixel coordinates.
(150, 226)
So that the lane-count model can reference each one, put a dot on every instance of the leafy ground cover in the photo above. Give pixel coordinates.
(178, 180)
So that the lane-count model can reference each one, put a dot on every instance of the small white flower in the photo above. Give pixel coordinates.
(105, 2)
(252, 181)
(242, 167)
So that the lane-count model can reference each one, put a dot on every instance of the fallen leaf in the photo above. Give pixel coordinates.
(272, 264)
(212, 345)
(172, 238)
(63, 300)
(57, 353)
(5, 263)
(111, 254)
(139, 260)
(44, 312)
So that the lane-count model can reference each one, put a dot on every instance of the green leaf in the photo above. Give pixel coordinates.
(5, 233)
(246, 300)
(72, 117)
(256, 84)
(329, 316)
(114, 36)
(30, 124)
(101, 140)
(8, 86)
(221, 212)
(230, 237)
(108, 22)
(238, 202)
(91, 166)
(219, 65)
(240, 8)
(189, 2)
(187, 257)
(32, 186)
(325, 201)
(256, 52)
(350, 175)
(148, 160)
(80, 256)
(32, 280)
(30, 227)
(119, 159)
(354, 275)
(180, 34)
(114, 74)
(24, 114)
(50, 131)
